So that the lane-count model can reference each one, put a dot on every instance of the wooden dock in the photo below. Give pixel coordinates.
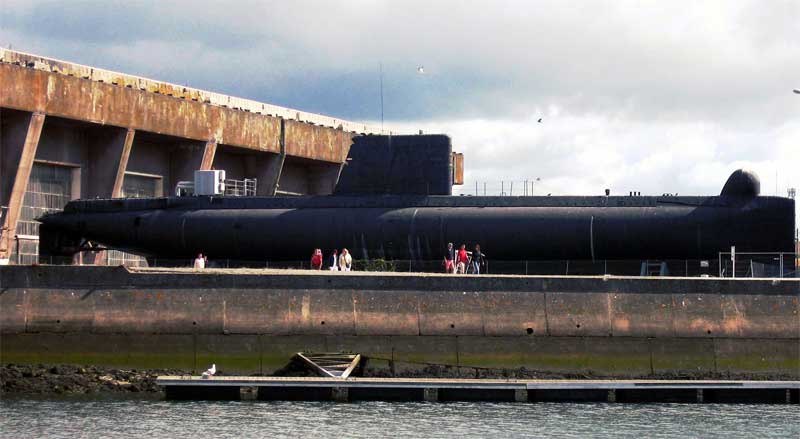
(434, 389)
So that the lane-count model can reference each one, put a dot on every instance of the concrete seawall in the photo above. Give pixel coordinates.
(252, 322)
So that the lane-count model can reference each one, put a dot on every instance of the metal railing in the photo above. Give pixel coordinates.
(757, 264)
(672, 267)
(241, 188)
(506, 188)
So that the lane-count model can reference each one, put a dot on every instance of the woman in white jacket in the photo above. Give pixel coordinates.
(345, 260)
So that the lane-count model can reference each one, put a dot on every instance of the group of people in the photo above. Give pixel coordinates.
(338, 261)
(462, 261)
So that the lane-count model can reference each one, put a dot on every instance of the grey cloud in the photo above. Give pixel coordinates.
(650, 96)
(682, 60)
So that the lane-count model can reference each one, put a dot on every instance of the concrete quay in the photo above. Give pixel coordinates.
(252, 321)
(432, 390)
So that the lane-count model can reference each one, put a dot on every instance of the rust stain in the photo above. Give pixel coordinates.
(734, 325)
(305, 310)
(102, 102)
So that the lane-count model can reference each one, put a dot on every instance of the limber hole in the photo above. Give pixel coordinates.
(58, 321)
(322, 323)
(194, 323)
(578, 325)
(529, 331)
(709, 331)
(452, 325)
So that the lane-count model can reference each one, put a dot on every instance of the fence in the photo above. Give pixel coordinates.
(241, 188)
(757, 264)
(505, 188)
(673, 267)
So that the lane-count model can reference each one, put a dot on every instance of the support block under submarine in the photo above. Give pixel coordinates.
(407, 222)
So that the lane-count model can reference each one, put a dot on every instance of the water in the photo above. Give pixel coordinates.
(249, 419)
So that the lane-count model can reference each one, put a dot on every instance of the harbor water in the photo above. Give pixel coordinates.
(126, 418)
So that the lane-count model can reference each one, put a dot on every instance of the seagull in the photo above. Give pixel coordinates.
(421, 70)
(210, 372)
(540, 120)
(797, 91)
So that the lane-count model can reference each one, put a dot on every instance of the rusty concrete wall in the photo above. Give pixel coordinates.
(317, 142)
(81, 99)
(618, 326)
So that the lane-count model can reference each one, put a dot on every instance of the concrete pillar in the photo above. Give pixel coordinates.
(612, 395)
(700, 396)
(276, 167)
(25, 155)
(521, 395)
(122, 165)
(108, 160)
(430, 394)
(208, 155)
(266, 168)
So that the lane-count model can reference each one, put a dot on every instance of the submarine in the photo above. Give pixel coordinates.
(376, 212)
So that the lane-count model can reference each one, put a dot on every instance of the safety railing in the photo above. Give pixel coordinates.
(241, 188)
(757, 264)
(673, 267)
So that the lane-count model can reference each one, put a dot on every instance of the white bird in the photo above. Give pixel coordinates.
(210, 372)
(421, 70)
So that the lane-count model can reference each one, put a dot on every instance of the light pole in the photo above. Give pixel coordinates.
(533, 182)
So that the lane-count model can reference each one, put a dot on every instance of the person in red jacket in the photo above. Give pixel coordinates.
(463, 259)
(316, 260)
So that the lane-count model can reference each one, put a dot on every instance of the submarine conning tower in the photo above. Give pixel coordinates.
(743, 183)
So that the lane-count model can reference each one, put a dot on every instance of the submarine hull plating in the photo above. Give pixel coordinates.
(419, 228)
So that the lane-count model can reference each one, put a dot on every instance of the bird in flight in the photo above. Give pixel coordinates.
(421, 70)
(540, 120)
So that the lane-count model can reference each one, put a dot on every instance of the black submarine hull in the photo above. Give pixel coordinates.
(419, 227)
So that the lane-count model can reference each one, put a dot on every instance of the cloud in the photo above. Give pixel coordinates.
(648, 96)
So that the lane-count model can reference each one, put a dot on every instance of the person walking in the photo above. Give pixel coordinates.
(462, 258)
(335, 261)
(316, 260)
(478, 259)
(199, 262)
(449, 258)
(345, 260)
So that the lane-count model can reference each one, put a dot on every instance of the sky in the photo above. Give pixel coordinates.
(650, 96)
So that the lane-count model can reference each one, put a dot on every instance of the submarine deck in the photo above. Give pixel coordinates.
(383, 201)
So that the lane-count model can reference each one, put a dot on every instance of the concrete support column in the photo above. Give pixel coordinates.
(26, 156)
(122, 165)
(612, 395)
(108, 161)
(208, 155)
(266, 168)
(276, 167)
(700, 396)
(521, 395)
